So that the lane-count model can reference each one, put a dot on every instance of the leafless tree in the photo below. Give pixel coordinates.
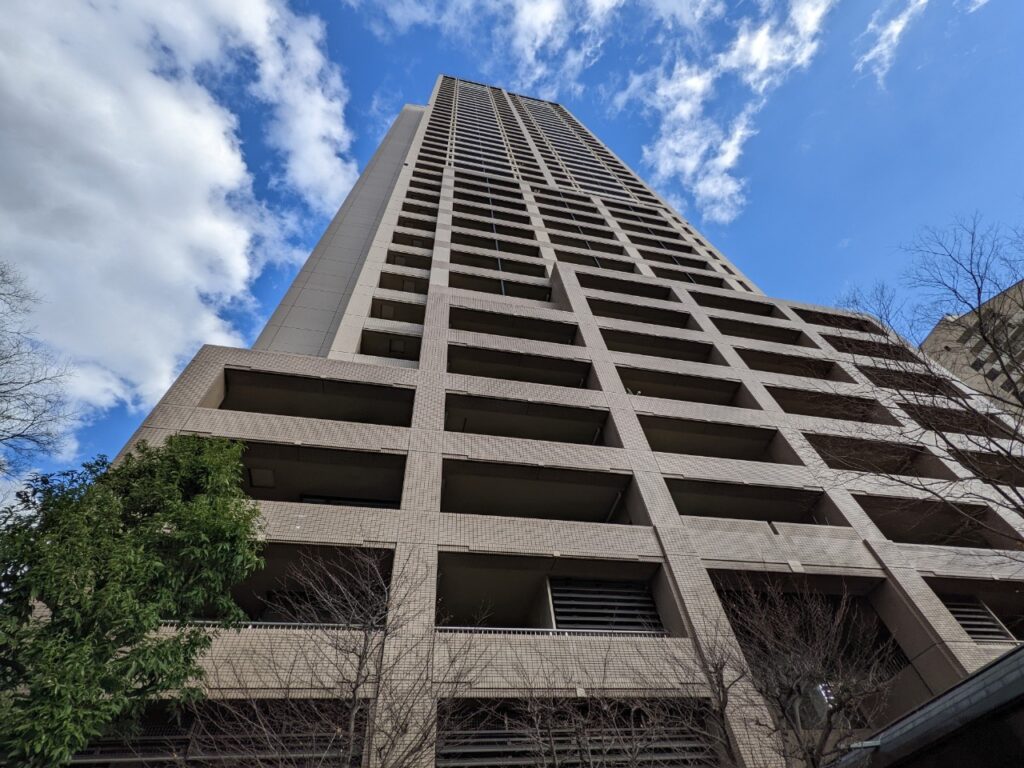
(967, 279)
(586, 719)
(32, 405)
(350, 677)
(801, 673)
(822, 663)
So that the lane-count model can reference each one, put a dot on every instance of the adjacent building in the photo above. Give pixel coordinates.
(984, 348)
(509, 361)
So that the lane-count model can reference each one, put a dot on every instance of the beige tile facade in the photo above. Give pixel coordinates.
(425, 242)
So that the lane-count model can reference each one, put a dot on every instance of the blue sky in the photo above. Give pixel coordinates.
(168, 168)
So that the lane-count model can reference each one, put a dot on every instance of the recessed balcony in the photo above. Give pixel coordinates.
(545, 596)
(395, 282)
(686, 276)
(499, 287)
(545, 493)
(793, 365)
(639, 313)
(694, 389)
(661, 346)
(763, 503)
(386, 344)
(774, 334)
(315, 398)
(879, 457)
(723, 441)
(844, 322)
(298, 473)
(939, 523)
(399, 311)
(528, 420)
(957, 421)
(829, 405)
(305, 586)
(735, 304)
(989, 612)
(514, 326)
(515, 366)
(627, 287)
(867, 348)
(908, 381)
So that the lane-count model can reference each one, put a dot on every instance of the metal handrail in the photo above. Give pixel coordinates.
(552, 632)
(261, 625)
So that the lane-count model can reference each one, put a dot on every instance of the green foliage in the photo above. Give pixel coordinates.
(94, 563)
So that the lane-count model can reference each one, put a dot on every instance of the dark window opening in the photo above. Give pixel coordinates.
(524, 419)
(639, 313)
(694, 278)
(774, 334)
(735, 304)
(616, 265)
(793, 365)
(661, 346)
(499, 265)
(496, 364)
(879, 457)
(998, 468)
(910, 381)
(381, 344)
(956, 421)
(544, 493)
(764, 503)
(298, 473)
(478, 321)
(844, 322)
(307, 397)
(499, 287)
(829, 405)
(694, 389)
(852, 346)
(629, 287)
(399, 311)
(395, 282)
(724, 441)
(939, 523)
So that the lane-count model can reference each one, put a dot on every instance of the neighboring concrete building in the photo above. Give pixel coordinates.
(509, 360)
(995, 365)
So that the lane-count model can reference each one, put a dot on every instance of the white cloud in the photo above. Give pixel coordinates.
(887, 35)
(538, 46)
(127, 201)
(700, 150)
(764, 54)
(974, 5)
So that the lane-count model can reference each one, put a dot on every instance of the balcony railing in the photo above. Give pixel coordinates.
(548, 632)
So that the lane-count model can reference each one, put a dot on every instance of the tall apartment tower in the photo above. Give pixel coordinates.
(511, 362)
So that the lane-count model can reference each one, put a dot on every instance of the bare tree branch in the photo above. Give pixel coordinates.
(33, 409)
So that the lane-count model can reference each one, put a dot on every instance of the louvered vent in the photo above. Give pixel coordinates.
(679, 748)
(610, 606)
(977, 619)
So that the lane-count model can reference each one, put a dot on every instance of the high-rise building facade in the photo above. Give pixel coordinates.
(511, 362)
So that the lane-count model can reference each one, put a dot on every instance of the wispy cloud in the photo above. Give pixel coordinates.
(887, 34)
(700, 150)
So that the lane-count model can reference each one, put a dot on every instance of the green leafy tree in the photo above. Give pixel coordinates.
(103, 572)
